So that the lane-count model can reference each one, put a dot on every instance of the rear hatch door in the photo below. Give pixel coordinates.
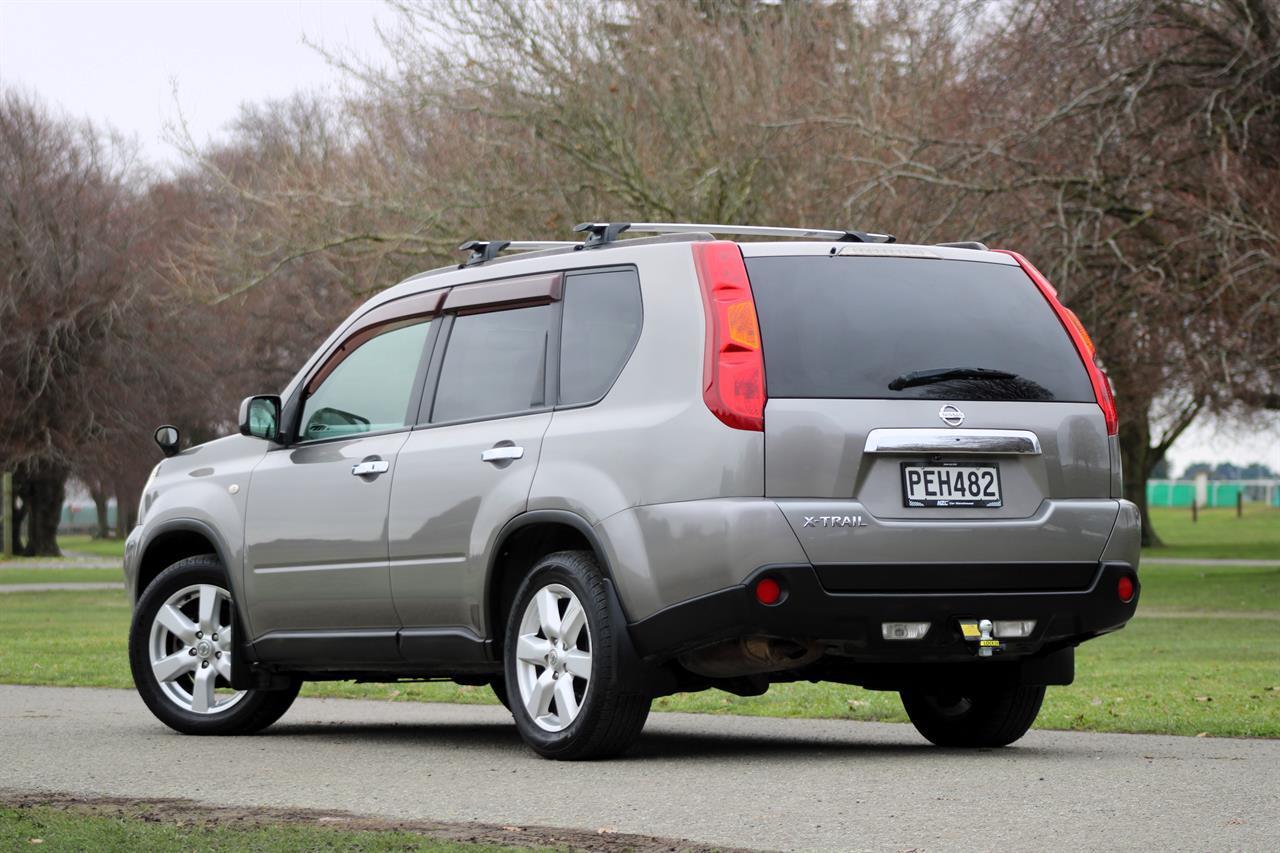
(926, 405)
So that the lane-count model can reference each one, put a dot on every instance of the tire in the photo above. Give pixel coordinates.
(182, 677)
(560, 661)
(992, 718)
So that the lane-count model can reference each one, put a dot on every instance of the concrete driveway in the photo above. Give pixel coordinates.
(734, 781)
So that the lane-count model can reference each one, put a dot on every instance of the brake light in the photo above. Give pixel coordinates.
(1084, 344)
(733, 366)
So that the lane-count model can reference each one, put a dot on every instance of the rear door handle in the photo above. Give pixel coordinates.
(498, 454)
(370, 466)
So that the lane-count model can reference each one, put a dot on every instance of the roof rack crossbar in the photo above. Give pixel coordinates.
(600, 233)
(759, 231)
(964, 244)
(487, 250)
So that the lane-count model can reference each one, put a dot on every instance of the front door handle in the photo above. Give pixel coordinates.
(502, 452)
(370, 466)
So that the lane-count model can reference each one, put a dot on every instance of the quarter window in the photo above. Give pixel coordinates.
(495, 364)
(602, 317)
(370, 389)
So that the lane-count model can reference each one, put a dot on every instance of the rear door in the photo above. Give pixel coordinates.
(467, 467)
(922, 394)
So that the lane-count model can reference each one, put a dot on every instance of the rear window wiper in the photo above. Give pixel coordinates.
(944, 374)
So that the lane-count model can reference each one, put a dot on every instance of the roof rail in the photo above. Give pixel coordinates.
(758, 231)
(487, 250)
(964, 244)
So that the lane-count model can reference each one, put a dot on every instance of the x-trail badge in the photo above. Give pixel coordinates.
(951, 416)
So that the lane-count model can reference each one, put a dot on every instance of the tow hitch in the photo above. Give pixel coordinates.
(980, 631)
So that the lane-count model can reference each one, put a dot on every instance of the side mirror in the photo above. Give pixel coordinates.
(167, 437)
(260, 417)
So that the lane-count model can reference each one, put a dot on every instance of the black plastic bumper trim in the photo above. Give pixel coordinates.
(809, 611)
(955, 577)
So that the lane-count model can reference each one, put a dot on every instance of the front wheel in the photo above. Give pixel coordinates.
(982, 718)
(180, 652)
(566, 695)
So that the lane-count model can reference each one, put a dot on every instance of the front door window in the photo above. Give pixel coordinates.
(370, 389)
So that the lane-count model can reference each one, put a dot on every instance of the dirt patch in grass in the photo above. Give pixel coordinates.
(190, 813)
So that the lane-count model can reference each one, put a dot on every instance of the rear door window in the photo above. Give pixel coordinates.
(494, 364)
(602, 318)
(848, 327)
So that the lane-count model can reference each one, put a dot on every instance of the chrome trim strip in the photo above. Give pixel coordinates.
(968, 441)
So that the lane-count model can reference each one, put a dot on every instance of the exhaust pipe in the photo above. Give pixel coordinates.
(750, 656)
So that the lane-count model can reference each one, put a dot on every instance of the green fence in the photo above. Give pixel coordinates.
(82, 517)
(1217, 493)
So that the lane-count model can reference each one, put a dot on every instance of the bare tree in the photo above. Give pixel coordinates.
(1128, 146)
(64, 293)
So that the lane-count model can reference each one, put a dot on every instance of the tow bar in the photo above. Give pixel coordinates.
(979, 630)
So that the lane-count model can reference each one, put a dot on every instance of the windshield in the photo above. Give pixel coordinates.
(910, 328)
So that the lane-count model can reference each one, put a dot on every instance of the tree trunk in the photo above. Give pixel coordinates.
(126, 512)
(43, 491)
(1138, 458)
(100, 501)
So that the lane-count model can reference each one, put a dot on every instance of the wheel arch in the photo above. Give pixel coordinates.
(176, 540)
(522, 542)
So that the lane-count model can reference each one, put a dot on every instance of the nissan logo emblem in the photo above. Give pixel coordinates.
(951, 416)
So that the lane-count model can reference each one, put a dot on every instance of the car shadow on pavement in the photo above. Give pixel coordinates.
(654, 744)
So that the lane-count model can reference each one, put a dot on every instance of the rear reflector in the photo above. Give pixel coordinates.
(733, 366)
(1084, 344)
(1124, 589)
(904, 630)
(768, 591)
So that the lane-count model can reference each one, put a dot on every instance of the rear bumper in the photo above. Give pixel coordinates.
(851, 621)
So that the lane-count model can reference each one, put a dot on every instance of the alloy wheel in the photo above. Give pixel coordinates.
(553, 657)
(190, 650)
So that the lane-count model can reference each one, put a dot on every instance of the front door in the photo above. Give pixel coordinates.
(317, 575)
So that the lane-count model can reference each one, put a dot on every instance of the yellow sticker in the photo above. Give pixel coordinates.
(969, 629)
(995, 643)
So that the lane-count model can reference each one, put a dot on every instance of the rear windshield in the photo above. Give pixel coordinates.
(841, 326)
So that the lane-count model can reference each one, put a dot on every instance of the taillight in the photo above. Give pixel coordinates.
(1084, 344)
(733, 367)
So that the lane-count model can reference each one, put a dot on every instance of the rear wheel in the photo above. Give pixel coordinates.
(990, 718)
(568, 700)
(180, 650)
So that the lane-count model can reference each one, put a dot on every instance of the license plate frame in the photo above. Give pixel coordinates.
(921, 500)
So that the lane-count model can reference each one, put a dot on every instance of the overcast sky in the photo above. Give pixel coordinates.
(121, 63)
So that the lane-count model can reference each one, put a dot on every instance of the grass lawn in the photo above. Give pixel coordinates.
(113, 548)
(108, 549)
(1169, 671)
(47, 828)
(1218, 534)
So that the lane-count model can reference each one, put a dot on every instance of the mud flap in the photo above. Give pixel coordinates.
(635, 675)
(246, 675)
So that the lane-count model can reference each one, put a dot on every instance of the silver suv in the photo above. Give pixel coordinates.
(596, 473)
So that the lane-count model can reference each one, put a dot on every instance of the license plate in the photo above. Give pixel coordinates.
(951, 485)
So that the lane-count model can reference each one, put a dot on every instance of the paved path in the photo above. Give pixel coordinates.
(742, 781)
(56, 587)
(63, 562)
